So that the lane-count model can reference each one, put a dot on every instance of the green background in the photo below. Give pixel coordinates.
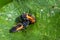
(46, 12)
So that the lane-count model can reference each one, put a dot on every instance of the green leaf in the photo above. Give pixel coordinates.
(4, 2)
(46, 12)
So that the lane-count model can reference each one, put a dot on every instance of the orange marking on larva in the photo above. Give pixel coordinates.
(20, 28)
(31, 18)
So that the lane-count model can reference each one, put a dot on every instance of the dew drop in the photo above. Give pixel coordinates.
(52, 11)
(10, 19)
(9, 15)
(6, 19)
(41, 10)
(3, 35)
(16, 14)
(24, 12)
(48, 14)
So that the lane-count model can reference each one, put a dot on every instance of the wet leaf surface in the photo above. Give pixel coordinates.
(47, 26)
